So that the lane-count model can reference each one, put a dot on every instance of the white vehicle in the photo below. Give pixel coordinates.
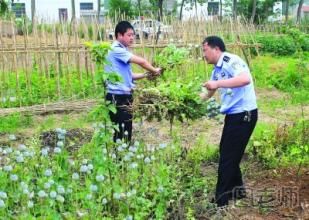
(147, 28)
(150, 28)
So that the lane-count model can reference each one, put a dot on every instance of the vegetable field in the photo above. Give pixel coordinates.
(58, 159)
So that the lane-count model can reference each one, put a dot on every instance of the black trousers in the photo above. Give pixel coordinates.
(123, 117)
(235, 136)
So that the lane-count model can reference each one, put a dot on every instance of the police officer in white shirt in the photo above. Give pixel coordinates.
(231, 76)
(119, 60)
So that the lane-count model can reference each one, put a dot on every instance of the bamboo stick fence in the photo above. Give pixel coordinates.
(49, 63)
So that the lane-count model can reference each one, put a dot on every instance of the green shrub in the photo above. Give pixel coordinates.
(13, 122)
(23, 25)
(279, 45)
(274, 145)
(304, 42)
(90, 32)
(287, 74)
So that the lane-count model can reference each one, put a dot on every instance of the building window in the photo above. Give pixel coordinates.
(213, 8)
(63, 14)
(86, 6)
(19, 9)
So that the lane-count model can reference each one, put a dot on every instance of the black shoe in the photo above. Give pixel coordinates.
(221, 201)
(238, 193)
(212, 200)
(218, 203)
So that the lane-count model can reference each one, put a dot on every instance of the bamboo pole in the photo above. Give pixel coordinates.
(77, 58)
(86, 63)
(68, 74)
(3, 78)
(39, 36)
(58, 63)
(46, 73)
(15, 67)
(26, 62)
(41, 64)
(96, 70)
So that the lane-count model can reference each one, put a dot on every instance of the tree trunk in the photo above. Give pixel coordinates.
(160, 6)
(287, 11)
(139, 7)
(234, 9)
(99, 11)
(253, 11)
(181, 8)
(220, 13)
(4, 7)
(32, 11)
(73, 11)
(195, 4)
(300, 5)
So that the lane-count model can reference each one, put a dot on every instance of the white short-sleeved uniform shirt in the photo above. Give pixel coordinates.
(119, 62)
(239, 99)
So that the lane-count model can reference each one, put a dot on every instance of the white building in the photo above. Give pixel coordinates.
(277, 15)
(50, 11)
(279, 11)
(205, 11)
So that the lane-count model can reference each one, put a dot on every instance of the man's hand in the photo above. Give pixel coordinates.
(150, 75)
(211, 85)
(153, 75)
(203, 96)
(157, 71)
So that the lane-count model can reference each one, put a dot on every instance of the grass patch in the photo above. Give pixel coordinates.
(14, 122)
(203, 152)
(287, 74)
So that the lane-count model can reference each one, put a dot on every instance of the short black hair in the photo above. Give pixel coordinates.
(122, 27)
(215, 41)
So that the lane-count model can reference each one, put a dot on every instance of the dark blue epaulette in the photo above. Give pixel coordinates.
(226, 59)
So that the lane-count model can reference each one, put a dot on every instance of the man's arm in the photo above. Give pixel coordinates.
(137, 76)
(242, 79)
(145, 64)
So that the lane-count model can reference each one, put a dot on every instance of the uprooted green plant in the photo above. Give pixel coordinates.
(172, 99)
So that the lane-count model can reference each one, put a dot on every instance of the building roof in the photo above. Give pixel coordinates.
(305, 8)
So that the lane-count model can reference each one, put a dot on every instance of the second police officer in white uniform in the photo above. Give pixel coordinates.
(231, 76)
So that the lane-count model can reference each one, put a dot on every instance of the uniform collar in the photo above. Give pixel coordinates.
(220, 61)
(119, 44)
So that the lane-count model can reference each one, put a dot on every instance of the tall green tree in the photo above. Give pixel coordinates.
(193, 3)
(157, 8)
(4, 7)
(300, 5)
(287, 11)
(234, 9)
(120, 7)
(181, 8)
(73, 11)
(139, 6)
(99, 11)
(32, 11)
(160, 7)
(220, 10)
(253, 11)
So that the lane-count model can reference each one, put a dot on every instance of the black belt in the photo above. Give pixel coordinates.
(119, 95)
(120, 99)
(246, 114)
